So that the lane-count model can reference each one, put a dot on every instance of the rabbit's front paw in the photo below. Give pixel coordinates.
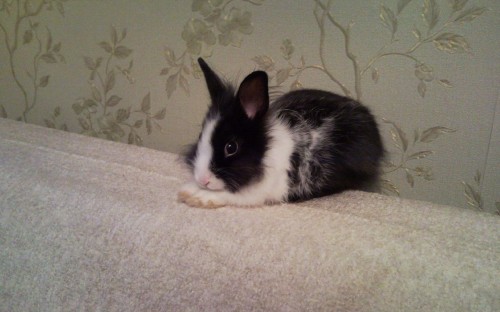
(193, 196)
(186, 191)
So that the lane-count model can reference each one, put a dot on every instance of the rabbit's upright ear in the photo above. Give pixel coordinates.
(215, 85)
(253, 94)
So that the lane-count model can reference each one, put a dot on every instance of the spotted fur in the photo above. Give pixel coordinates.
(337, 144)
(308, 143)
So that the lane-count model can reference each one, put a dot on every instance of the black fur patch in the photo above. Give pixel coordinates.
(348, 147)
(246, 165)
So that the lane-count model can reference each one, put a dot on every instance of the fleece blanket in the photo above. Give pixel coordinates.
(92, 225)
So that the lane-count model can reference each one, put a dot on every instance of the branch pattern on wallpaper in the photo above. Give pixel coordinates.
(21, 31)
(101, 114)
(473, 196)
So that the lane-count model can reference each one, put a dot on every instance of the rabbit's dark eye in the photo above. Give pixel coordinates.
(230, 149)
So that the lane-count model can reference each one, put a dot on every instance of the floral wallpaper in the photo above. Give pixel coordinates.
(126, 71)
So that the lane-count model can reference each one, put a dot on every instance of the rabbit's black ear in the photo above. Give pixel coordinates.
(254, 94)
(215, 85)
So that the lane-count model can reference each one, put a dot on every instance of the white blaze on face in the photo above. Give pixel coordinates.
(203, 176)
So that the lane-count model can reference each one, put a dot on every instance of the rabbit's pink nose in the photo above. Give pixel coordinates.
(204, 180)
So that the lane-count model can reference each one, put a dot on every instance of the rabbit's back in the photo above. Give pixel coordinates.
(337, 144)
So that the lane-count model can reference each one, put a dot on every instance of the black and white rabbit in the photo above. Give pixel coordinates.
(308, 143)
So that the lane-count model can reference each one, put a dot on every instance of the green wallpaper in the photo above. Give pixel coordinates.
(125, 70)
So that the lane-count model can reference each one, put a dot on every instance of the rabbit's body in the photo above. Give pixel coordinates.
(336, 142)
(308, 143)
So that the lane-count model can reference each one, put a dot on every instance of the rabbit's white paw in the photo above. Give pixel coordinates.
(193, 196)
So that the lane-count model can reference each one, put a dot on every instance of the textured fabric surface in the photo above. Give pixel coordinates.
(91, 225)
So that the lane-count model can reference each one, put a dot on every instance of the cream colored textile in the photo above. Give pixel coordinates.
(91, 225)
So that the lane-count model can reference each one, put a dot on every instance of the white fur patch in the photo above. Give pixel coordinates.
(277, 161)
(312, 139)
(316, 137)
(203, 176)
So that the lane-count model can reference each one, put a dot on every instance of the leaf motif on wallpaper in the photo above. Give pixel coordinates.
(457, 5)
(205, 7)
(375, 74)
(233, 26)
(445, 83)
(296, 85)
(282, 75)
(472, 192)
(408, 151)
(177, 72)
(3, 112)
(52, 120)
(264, 62)
(425, 75)
(126, 71)
(389, 20)
(17, 21)
(171, 84)
(424, 72)
(451, 43)
(388, 187)
(437, 32)
(402, 4)
(214, 23)
(290, 69)
(430, 13)
(102, 113)
(287, 48)
(256, 2)
(57, 4)
(44, 81)
(198, 36)
(429, 135)
(28, 36)
(470, 15)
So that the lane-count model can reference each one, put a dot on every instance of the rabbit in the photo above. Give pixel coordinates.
(308, 143)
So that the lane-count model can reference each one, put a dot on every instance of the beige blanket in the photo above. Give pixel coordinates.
(91, 225)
